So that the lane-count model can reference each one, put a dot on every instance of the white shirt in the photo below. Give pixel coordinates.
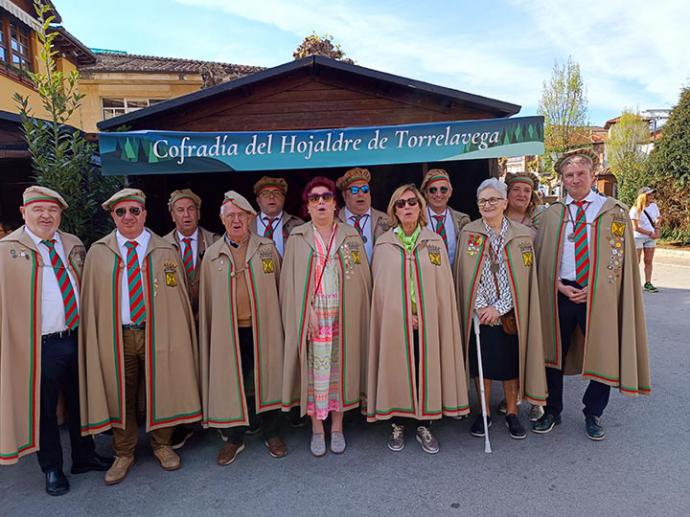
(52, 305)
(195, 245)
(262, 224)
(450, 230)
(142, 246)
(365, 225)
(594, 203)
(643, 220)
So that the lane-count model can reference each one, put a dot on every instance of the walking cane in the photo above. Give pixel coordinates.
(482, 395)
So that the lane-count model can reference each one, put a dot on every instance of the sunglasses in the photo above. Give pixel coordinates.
(364, 189)
(492, 201)
(315, 198)
(133, 210)
(436, 190)
(400, 203)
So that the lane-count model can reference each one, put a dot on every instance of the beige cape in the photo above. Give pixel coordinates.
(222, 385)
(20, 339)
(296, 286)
(172, 387)
(522, 276)
(614, 349)
(392, 388)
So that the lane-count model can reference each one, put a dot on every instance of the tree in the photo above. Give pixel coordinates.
(61, 157)
(669, 169)
(626, 155)
(315, 45)
(563, 105)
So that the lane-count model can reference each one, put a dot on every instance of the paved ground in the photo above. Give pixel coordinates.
(642, 468)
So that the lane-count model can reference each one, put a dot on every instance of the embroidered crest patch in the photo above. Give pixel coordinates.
(435, 255)
(618, 228)
(268, 266)
(170, 269)
(527, 258)
(356, 256)
(474, 242)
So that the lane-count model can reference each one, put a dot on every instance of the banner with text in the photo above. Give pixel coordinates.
(172, 152)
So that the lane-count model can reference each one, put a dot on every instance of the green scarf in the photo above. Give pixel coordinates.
(408, 242)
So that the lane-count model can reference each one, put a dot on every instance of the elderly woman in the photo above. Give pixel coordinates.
(497, 283)
(416, 366)
(325, 290)
(524, 207)
(646, 218)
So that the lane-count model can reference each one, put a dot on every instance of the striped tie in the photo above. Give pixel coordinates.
(68, 297)
(137, 309)
(581, 246)
(441, 228)
(187, 257)
(270, 229)
(357, 219)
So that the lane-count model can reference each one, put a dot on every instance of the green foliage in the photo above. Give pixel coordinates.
(669, 169)
(563, 105)
(626, 155)
(60, 155)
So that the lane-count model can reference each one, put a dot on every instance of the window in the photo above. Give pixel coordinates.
(15, 45)
(116, 107)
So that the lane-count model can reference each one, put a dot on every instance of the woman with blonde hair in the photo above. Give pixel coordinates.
(645, 217)
(416, 368)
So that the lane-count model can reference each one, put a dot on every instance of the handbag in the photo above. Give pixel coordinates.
(508, 320)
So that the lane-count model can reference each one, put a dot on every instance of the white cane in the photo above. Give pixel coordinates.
(482, 395)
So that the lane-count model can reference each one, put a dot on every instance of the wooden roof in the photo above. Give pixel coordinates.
(309, 93)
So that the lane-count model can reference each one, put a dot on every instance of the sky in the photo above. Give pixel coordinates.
(633, 54)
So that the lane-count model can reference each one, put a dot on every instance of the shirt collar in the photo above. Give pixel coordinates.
(121, 239)
(588, 198)
(349, 215)
(194, 236)
(37, 240)
(265, 218)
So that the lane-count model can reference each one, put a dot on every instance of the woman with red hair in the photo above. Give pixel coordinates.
(325, 290)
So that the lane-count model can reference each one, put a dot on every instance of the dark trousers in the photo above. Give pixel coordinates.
(407, 421)
(570, 316)
(270, 420)
(59, 371)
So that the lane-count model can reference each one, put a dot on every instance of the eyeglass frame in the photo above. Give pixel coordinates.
(313, 199)
(136, 211)
(355, 189)
(491, 201)
(410, 201)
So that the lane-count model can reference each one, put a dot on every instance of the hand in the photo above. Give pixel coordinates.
(574, 294)
(655, 234)
(488, 316)
(313, 328)
(415, 322)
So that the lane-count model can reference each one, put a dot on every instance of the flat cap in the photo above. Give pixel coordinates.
(576, 154)
(186, 193)
(126, 194)
(352, 175)
(268, 181)
(36, 193)
(433, 175)
(239, 201)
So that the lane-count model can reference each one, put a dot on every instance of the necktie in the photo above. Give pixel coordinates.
(187, 257)
(441, 228)
(137, 308)
(357, 220)
(270, 229)
(581, 246)
(68, 298)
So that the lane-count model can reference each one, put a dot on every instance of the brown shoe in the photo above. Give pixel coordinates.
(228, 453)
(119, 469)
(167, 457)
(276, 447)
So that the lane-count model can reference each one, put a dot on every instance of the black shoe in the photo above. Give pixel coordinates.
(180, 435)
(253, 428)
(96, 463)
(56, 483)
(593, 429)
(546, 423)
(478, 426)
(515, 427)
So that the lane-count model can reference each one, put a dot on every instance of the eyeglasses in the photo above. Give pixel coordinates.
(411, 201)
(436, 190)
(315, 198)
(492, 201)
(133, 210)
(364, 189)
(270, 193)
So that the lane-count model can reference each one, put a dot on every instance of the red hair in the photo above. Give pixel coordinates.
(317, 181)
